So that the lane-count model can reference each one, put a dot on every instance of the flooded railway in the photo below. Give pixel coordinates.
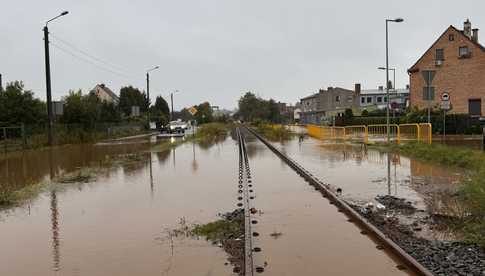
(119, 223)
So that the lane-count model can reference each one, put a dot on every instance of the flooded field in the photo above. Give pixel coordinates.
(119, 223)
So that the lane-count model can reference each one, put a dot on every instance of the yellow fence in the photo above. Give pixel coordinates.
(376, 133)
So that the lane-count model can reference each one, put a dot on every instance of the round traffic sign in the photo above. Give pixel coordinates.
(445, 96)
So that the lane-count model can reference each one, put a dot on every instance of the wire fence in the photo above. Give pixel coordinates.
(20, 137)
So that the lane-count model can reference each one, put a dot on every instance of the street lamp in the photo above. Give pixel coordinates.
(171, 101)
(48, 77)
(397, 20)
(148, 93)
(394, 75)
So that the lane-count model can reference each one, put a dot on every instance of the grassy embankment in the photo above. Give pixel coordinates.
(274, 132)
(10, 197)
(472, 192)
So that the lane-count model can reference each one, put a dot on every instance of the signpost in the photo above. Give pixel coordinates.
(445, 106)
(428, 92)
(192, 110)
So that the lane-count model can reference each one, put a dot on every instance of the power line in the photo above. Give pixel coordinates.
(93, 63)
(85, 53)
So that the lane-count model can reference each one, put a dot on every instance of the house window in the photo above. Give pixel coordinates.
(350, 99)
(475, 107)
(369, 99)
(379, 99)
(440, 54)
(463, 51)
(451, 37)
(362, 100)
(337, 98)
(385, 99)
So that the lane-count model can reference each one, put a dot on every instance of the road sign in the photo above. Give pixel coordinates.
(428, 76)
(445, 97)
(445, 105)
(428, 93)
(192, 111)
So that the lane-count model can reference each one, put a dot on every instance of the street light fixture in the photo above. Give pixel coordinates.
(397, 20)
(393, 73)
(148, 93)
(48, 77)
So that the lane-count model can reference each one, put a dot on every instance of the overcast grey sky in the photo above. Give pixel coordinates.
(214, 50)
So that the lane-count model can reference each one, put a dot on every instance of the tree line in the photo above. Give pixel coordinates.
(18, 105)
(254, 109)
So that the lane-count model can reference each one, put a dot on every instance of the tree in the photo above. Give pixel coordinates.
(81, 109)
(160, 111)
(19, 106)
(204, 113)
(131, 96)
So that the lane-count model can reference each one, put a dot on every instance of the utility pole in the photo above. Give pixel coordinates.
(148, 100)
(171, 109)
(148, 94)
(48, 85)
(1, 86)
(48, 79)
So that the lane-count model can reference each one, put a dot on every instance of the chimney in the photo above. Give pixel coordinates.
(467, 28)
(329, 88)
(381, 88)
(357, 88)
(475, 35)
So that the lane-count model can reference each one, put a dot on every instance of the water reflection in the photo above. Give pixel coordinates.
(195, 165)
(56, 255)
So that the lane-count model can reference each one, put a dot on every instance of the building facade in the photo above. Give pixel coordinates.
(458, 60)
(324, 106)
(371, 99)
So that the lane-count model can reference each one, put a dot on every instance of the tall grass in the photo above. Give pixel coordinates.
(274, 132)
(472, 192)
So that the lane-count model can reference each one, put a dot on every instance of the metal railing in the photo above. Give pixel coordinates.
(375, 133)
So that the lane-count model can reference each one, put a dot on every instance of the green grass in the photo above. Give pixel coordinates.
(221, 229)
(10, 198)
(212, 131)
(274, 133)
(472, 192)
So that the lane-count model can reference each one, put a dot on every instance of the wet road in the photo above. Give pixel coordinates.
(119, 223)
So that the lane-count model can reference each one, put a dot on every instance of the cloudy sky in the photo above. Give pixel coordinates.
(214, 50)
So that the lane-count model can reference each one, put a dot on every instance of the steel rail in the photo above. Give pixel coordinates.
(244, 176)
(407, 259)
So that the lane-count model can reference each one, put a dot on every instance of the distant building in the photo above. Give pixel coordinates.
(105, 94)
(325, 105)
(371, 99)
(459, 62)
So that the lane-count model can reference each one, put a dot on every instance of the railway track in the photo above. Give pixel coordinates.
(245, 197)
(407, 261)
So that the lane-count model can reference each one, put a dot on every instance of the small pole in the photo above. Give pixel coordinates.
(171, 111)
(483, 142)
(5, 139)
(444, 125)
(148, 100)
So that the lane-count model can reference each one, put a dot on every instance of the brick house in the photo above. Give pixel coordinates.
(459, 62)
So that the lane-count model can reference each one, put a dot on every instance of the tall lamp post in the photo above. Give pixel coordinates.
(397, 20)
(48, 78)
(393, 74)
(148, 94)
(171, 103)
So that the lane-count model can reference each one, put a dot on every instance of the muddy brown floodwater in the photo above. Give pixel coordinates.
(120, 223)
